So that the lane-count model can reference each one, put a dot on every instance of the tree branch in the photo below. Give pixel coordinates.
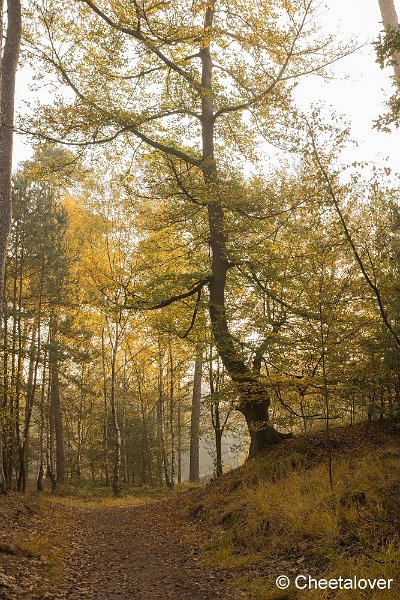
(351, 243)
(172, 299)
(196, 308)
(138, 35)
(275, 81)
(272, 296)
(133, 128)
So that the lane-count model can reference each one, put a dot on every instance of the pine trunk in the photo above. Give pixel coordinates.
(56, 410)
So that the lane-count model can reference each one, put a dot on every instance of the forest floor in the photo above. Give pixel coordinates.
(228, 540)
(117, 550)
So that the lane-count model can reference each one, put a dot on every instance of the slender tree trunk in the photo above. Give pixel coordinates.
(179, 441)
(326, 397)
(117, 457)
(20, 360)
(390, 21)
(194, 467)
(55, 405)
(218, 439)
(216, 417)
(382, 403)
(142, 467)
(160, 419)
(12, 400)
(105, 423)
(116, 484)
(39, 483)
(31, 384)
(124, 450)
(159, 439)
(34, 358)
(50, 471)
(79, 432)
(167, 478)
(171, 416)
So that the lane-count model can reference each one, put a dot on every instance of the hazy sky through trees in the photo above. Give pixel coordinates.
(358, 91)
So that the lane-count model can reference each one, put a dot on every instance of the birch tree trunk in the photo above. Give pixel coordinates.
(390, 21)
(9, 62)
(194, 467)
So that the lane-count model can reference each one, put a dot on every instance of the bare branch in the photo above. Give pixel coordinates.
(172, 299)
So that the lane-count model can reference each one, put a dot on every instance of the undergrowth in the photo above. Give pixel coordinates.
(88, 494)
(278, 515)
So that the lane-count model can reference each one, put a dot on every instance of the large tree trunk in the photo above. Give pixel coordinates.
(194, 467)
(254, 399)
(9, 62)
(3, 484)
(390, 21)
(4, 435)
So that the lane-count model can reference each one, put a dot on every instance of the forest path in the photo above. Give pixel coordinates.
(142, 552)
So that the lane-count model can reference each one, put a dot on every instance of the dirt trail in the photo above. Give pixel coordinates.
(138, 553)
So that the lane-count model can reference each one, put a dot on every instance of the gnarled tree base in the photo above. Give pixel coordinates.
(262, 433)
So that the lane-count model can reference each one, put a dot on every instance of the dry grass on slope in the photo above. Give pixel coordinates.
(278, 516)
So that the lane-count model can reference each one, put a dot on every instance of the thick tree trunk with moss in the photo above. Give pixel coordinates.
(254, 399)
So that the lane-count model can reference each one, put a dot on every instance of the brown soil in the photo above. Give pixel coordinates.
(142, 552)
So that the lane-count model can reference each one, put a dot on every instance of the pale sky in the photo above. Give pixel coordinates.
(361, 88)
(358, 91)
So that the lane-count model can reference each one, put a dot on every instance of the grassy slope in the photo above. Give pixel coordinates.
(277, 515)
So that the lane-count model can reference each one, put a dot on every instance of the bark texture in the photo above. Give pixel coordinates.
(254, 399)
(9, 62)
(56, 410)
(390, 21)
